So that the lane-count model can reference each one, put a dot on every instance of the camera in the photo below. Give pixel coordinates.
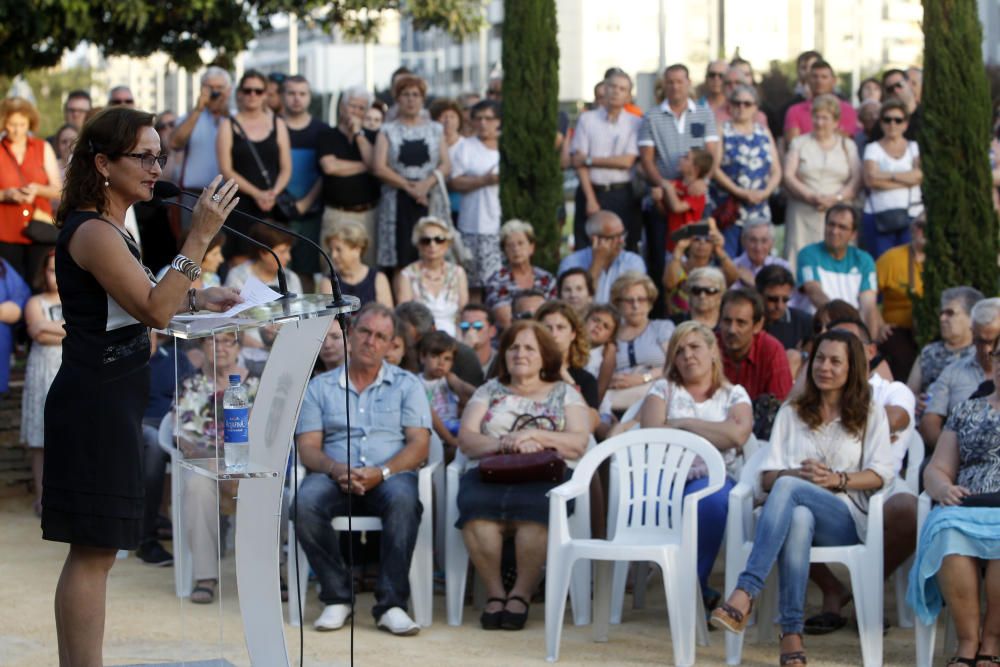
(215, 94)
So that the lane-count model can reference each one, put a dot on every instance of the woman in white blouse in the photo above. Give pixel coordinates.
(695, 396)
(829, 449)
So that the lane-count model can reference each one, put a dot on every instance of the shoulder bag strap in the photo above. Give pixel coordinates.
(253, 151)
(20, 173)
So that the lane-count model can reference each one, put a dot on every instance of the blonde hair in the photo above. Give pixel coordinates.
(427, 221)
(630, 279)
(708, 336)
(513, 227)
(709, 273)
(351, 232)
(828, 103)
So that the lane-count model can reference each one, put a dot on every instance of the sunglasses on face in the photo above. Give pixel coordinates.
(116, 103)
(716, 75)
(253, 91)
(778, 299)
(699, 290)
(427, 240)
(146, 160)
(742, 103)
(163, 126)
(896, 120)
(526, 315)
(465, 326)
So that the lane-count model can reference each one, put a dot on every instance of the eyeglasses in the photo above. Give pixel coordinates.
(169, 125)
(127, 102)
(146, 160)
(76, 110)
(949, 312)
(634, 301)
(524, 315)
(897, 120)
(716, 75)
(465, 326)
(700, 290)
(612, 237)
(253, 91)
(427, 240)
(742, 103)
(778, 299)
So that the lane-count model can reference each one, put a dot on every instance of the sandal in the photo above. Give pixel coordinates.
(204, 594)
(982, 657)
(510, 620)
(797, 657)
(825, 623)
(490, 620)
(959, 660)
(728, 617)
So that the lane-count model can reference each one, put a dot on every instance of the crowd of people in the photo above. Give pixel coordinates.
(738, 270)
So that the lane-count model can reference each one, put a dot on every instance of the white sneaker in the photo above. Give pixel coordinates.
(398, 623)
(333, 617)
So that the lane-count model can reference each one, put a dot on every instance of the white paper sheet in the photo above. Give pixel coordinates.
(254, 293)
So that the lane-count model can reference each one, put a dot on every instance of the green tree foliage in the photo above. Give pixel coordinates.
(954, 152)
(530, 178)
(50, 88)
(35, 34)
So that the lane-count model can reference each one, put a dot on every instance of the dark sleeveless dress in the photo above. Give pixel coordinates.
(245, 165)
(93, 480)
(364, 290)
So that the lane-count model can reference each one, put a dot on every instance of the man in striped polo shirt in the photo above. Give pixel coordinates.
(667, 133)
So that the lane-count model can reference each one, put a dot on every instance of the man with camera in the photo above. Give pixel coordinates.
(195, 134)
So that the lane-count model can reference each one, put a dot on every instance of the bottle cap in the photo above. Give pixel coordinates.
(234, 378)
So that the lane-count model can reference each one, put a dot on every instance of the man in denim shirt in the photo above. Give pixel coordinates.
(390, 432)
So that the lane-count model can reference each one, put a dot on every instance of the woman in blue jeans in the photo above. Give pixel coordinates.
(829, 450)
(695, 396)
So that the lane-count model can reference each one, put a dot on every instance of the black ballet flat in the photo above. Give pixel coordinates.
(490, 620)
(513, 621)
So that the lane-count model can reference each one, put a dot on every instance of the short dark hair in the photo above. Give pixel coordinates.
(77, 95)
(418, 315)
(889, 72)
(841, 207)
(821, 64)
(773, 275)
(551, 356)
(478, 308)
(677, 67)
(702, 161)
(526, 294)
(744, 295)
(269, 236)
(808, 55)
(486, 105)
(252, 74)
(866, 335)
(442, 104)
(831, 311)
(894, 103)
(575, 271)
(870, 79)
(437, 342)
(294, 78)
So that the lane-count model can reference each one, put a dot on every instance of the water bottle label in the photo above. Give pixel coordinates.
(237, 422)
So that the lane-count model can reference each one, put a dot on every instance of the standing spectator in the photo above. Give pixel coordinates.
(900, 278)
(253, 149)
(350, 192)
(196, 132)
(758, 243)
(121, 96)
(374, 117)
(679, 199)
(791, 326)
(348, 243)
(714, 96)
(64, 140)
(166, 122)
(43, 316)
(274, 97)
(433, 280)
(29, 181)
(893, 176)
(749, 171)
(411, 160)
(475, 174)
(517, 241)
(821, 170)
(868, 112)
(76, 108)
(751, 357)
(836, 269)
(870, 89)
(955, 321)
(896, 85)
(776, 117)
(576, 287)
(605, 259)
(668, 132)
(736, 76)
(448, 114)
(822, 81)
(604, 153)
(306, 182)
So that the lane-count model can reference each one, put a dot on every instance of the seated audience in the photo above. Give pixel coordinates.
(962, 377)
(527, 384)
(641, 345)
(347, 242)
(751, 357)
(704, 289)
(262, 265)
(602, 332)
(835, 269)
(415, 322)
(446, 393)
(517, 240)
(689, 255)
(201, 436)
(433, 280)
(694, 395)
(829, 449)
(332, 353)
(571, 339)
(955, 326)
(390, 423)
(900, 278)
(758, 242)
(576, 288)
(606, 258)
(477, 330)
(958, 543)
(524, 303)
(791, 326)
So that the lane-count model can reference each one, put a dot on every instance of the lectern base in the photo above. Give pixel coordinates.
(199, 663)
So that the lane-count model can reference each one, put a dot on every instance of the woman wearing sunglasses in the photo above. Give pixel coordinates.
(433, 280)
(892, 175)
(253, 149)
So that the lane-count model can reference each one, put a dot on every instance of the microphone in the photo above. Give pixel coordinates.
(338, 297)
(163, 190)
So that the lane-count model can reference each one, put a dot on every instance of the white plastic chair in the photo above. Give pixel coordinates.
(183, 560)
(421, 564)
(654, 522)
(926, 635)
(914, 459)
(457, 556)
(863, 561)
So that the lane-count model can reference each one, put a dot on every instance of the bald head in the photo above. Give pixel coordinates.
(604, 223)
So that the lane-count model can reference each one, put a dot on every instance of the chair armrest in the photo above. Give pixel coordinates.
(875, 516)
(428, 469)
(569, 490)
(923, 509)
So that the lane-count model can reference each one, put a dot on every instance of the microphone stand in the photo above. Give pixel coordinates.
(338, 296)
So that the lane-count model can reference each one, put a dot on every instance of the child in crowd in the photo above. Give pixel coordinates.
(681, 207)
(601, 325)
(446, 393)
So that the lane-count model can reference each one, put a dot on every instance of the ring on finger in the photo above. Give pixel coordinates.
(217, 197)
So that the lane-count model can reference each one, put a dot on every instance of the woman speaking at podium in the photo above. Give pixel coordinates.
(93, 484)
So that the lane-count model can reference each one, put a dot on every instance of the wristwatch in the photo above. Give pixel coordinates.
(589, 162)
(646, 377)
(386, 473)
(186, 266)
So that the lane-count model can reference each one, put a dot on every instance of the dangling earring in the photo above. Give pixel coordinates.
(107, 183)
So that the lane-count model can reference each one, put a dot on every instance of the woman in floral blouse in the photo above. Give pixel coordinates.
(517, 240)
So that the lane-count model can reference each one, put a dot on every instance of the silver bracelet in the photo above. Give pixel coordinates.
(186, 266)
(192, 300)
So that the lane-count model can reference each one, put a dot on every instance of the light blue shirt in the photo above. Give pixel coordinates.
(200, 163)
(624, 262)
(394, 401)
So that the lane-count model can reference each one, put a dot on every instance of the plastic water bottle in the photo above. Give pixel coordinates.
(236, 425)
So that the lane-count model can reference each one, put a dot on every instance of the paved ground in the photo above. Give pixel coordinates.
(148, 624)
